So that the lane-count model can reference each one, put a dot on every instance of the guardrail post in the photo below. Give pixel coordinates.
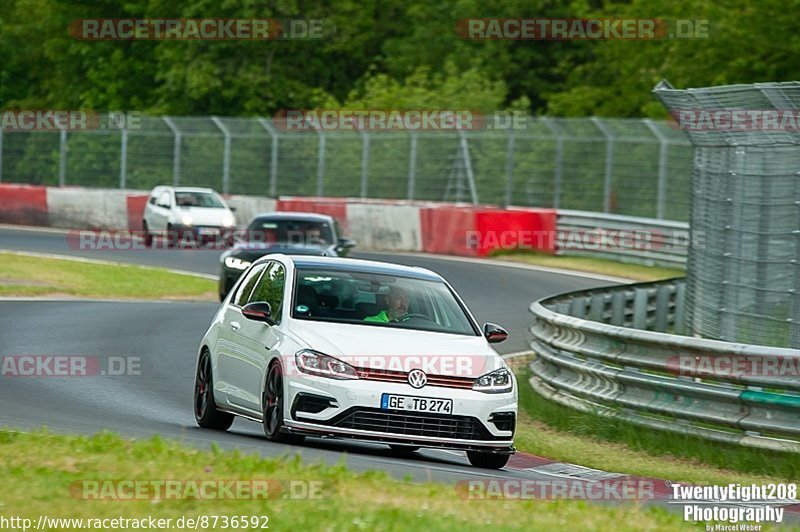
(176, 151)
(662, 308)
(412, 165)
(661, 191)
(62, 159)
(680, 309)
(640, 308)
(226, 154)
(609, 167)
(273, 162)
(364, 162)
(509, 166)
(559, 161)
(123, 158)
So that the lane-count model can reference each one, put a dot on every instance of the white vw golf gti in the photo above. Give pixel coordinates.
(345, 348)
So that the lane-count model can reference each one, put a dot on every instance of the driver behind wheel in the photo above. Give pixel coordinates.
(397, 302)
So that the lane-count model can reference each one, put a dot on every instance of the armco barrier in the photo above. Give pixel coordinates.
(623, 238)
(590, 358)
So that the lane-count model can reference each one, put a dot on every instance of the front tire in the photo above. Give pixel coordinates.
(273, 402)
(487, 460)
(148, 236)
(206, 413)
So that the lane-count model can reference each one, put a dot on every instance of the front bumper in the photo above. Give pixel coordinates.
(354, 411)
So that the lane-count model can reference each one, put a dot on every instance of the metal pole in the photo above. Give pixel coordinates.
(62, 159)
(559, 161)
(176, 152)
(226, 155)
(123, 159)
(509, 167)
(661, 191)
(412, 166)
(321, 163)
(609, 162)
(273, 162)
(1, 155)
(468, 167)
(364, 163)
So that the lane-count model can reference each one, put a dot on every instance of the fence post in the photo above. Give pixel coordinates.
(509, 166)
(559, 161)
(609, 161)
(468, 167)
(273, 162)
(123, 158)
(176, 151)
(226, 155)
(364, 162)
(320, 163)
(62, 159)
(661, 190)
(412, 165)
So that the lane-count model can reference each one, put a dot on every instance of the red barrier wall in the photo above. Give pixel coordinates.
(472, 232)
(134, 204)
(23, 204)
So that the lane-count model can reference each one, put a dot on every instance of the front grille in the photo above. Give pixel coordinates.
(401, 376)
(413, 424)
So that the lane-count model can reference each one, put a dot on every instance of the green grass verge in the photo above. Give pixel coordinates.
(39, 469)
(29, 276)
(560, 433)
(635, 272)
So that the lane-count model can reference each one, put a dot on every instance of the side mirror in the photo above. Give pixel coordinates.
(347, 243)
(232, 209)
(494, 333)
(164, 205)
(260, 311)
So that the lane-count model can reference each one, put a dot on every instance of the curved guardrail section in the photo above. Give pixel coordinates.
(612, 351)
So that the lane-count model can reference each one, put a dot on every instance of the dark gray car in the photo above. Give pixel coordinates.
(291, 233)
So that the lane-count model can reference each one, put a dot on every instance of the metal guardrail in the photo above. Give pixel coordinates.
(609, 351)
(624, 238)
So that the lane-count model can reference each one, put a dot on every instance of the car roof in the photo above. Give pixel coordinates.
(361, 266)
(292, 215)
(161, 188)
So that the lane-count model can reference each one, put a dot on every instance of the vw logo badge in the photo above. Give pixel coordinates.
(417, 378)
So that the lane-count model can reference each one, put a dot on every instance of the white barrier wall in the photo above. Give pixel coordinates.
(85, 208)
(247, 207)
(385, 227)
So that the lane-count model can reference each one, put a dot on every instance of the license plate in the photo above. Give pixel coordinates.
(416, 404)
(208, 231)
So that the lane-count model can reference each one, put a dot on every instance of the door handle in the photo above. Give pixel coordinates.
(235, 325)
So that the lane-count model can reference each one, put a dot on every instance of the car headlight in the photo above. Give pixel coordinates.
(186, 219)
(498, 381)
(228, 221)
(235, 263)
(315, 363)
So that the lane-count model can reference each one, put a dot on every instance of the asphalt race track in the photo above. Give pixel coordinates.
(166, 334)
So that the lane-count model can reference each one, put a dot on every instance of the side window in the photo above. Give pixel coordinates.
(270, 289)
(246, 288)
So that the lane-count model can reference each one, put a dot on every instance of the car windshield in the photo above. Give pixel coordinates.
(198, 199)
(297, 232)
(379, 300)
